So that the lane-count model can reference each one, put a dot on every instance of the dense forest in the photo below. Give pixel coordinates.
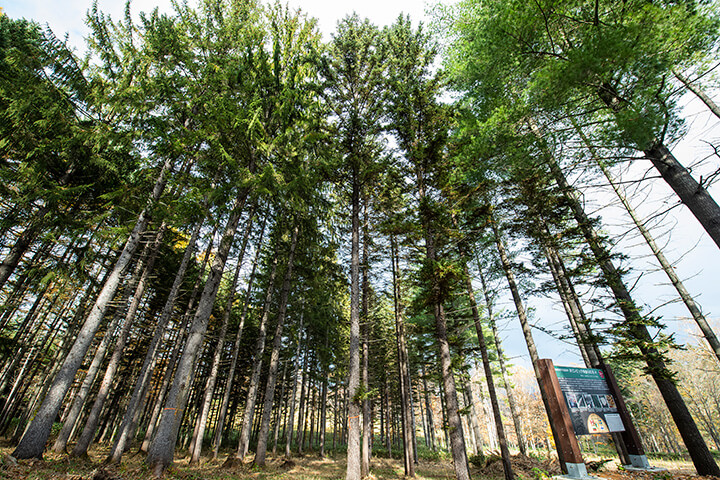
(224, 236)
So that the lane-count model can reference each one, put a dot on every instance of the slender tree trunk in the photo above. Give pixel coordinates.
(699, 92)
(176, 351)
(236, 347)
(403, 370)
(12, 259)
(504, 451)
(261, 450)
(291, 401)
(665, 264)
(457, 440)
(162, 449)
(323, 415)
(93, 418)
(32, 443)
(257, 367)
(699, 453)
(132, 411)
(215, 367)
(514, 412)
(279, 418)
(364, 309)
(353, 385)
(428, 410)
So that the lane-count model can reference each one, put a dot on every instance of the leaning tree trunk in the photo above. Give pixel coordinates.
(133, 409)
(504, 451)
(236, 347)
(275, 357)
(664, 263)
(249, 414)
(162, 449)
(637, 331)
(32, 443)
(517, 422)
(12, 259)
(691, 193)
(93, 418)
(215, 367)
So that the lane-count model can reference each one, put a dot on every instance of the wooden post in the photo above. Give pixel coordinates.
(571, 461)
(630, 436)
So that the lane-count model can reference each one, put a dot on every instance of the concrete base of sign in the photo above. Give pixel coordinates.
(639, 463)
(576, 471)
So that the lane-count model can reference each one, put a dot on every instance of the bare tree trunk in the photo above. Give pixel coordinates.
(517, 422)
(93, 418)
(32, 443)
(291, 401)
(353, 385)
(428, 410)
(403, 370)
(132, 411)
(504, 451)
(279, 418)
(364, 309)
(162, 449)
(665, 264)
(236, 347)
(699, 92)
(323, 415)
(261, 450)
(215, 367)
(457, 440)
(257, 367)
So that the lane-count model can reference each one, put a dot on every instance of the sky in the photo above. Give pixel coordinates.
(699, 259)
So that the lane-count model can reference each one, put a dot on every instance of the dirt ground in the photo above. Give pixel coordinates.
(61, 467)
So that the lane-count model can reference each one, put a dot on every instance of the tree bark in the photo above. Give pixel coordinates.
(275, 356)
(291, 401)
(514, 412)
(32, 443)
(247, 421)
(504, 451)
(353, 385)
(132, 411)
(162, 449)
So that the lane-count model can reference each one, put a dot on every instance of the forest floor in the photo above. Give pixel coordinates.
(61, 467)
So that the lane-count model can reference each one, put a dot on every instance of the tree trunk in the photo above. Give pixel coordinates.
(275, 356)
(517, 422)
(691, 193)
(93, 418)
(32, 443)
(12, 259)
(457, 440)
(132, 411)
(257, 367)
(162, 449)
(215, 367)
(353, 385)
(699, 453)
(504, 451)
(428, 410)
(364, 309)
(403, 370)
(291, 401)
(664, 263)
(236, 347)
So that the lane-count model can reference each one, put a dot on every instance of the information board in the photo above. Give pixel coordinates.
(592, 406)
